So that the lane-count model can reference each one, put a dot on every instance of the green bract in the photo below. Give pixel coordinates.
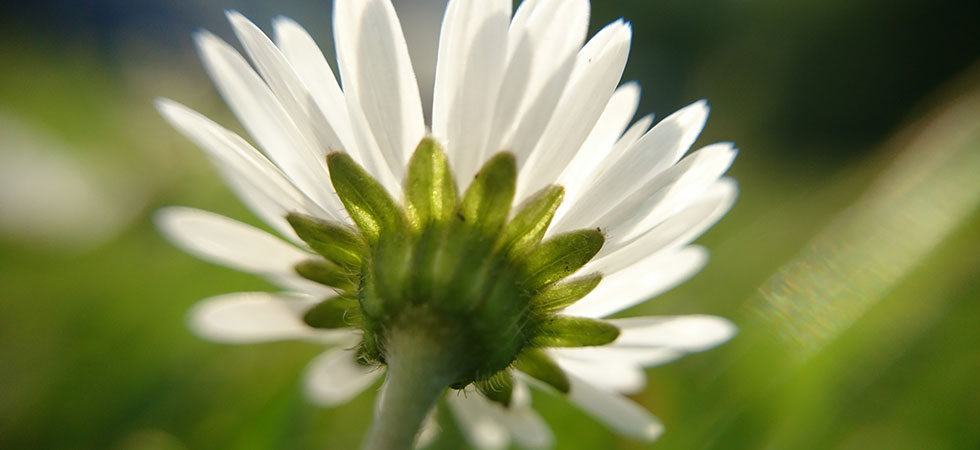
(454, 267)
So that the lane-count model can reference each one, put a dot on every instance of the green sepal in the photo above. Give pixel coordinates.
(367, 202)
(430, 191)
(337, 312)
(386, 281)
(334, 242)
(326, 273)
(498, 388)
(560, 257)
(558, 296)
(564, 331)
(487, 200)
(531, 221)
(539, 365)
(368, 353)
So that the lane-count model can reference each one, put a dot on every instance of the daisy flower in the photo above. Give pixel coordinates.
(477, 255)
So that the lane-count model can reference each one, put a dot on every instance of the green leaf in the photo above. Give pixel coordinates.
(367, 202)
(499, 387)
(560, 256)
(337, 312)
(564, 331)
(430, 191)
(326, 273)
(531, 221)
(539, 365)
(487, 201)
(560, 295)
(334, 242)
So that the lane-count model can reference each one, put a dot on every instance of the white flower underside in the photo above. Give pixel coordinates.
(527, 83)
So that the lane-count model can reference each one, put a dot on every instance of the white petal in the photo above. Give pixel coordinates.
(693, 333)
(377, 76)
(617, 412)
(678, 230)
(643, 342)
(667, 193)
(430, 430)
(277, 73)
(249, 317)
(632, 357)
(469, 70)
(335, 377)
(259, 184)
(639, 282)
(609, 374)
(312, 68)
(370, 154)
(288, 88)
(227, 242)
(608, 129)
(290, 147)
(527, 428)
(519, 421)
(543, 39)
(598, 69)
(659, 149)
(482, 430)
(632, 134)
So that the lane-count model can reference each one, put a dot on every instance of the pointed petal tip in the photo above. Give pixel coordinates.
(166, 218)
(234, 16)
(241, 24)
(651, 432)
(165, 106)
(282, 21)
(203, 36)
(729, 186)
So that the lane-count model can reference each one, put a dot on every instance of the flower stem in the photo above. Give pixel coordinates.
(419, 370)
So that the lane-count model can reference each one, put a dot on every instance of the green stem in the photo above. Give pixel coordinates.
(419, 370)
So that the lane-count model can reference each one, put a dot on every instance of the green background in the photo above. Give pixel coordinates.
(851, 261)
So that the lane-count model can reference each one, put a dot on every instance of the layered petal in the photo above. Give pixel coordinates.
(643, 342)
(378, 79)
(469, 71)
(678, 230)
(543, 40)
(641, 281)
(601, 141)
(615, 411)
(488, 425)
(220, 240)
(313, 70)
(289, 145)
(256, 181)
(598, 69)
(658, 149)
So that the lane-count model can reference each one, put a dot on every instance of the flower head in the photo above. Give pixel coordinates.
(505, 232)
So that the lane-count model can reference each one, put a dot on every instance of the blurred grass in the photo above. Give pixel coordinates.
(95, 355)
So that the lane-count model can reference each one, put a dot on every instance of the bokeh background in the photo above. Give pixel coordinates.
(851, 261)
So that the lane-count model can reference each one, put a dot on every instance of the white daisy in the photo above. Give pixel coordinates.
(383, 215)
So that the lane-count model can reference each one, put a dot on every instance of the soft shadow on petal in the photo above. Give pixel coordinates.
(657, 150)
(640, 282)
(335, 377)
(250, 317)
(469, 71)
(378, 78)
(617, 412)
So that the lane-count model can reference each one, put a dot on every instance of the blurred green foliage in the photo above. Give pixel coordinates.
(826, 99)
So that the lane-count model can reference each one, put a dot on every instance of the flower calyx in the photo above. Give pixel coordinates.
(454, 267)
